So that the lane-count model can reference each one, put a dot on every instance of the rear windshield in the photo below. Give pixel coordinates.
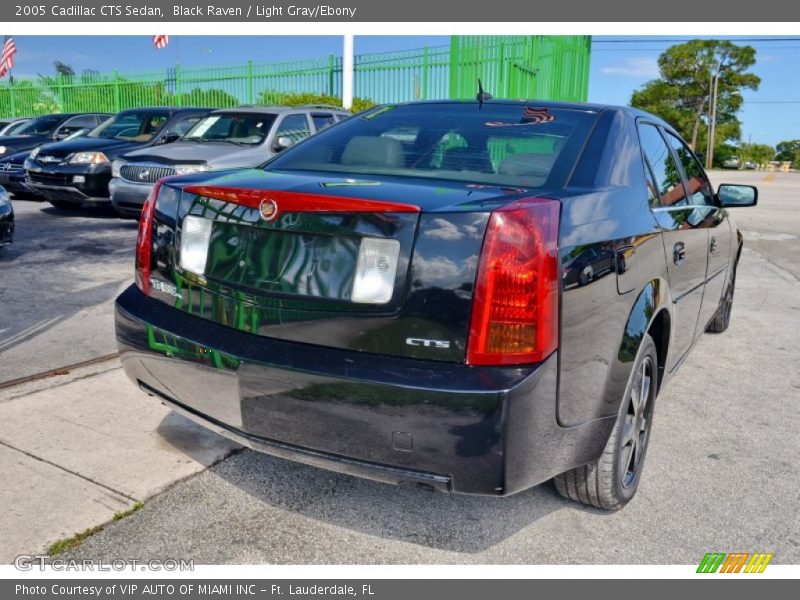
(131, 126)
(497, 144)
(244, 129)
(40, 125)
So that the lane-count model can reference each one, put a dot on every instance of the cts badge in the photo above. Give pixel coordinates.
(438, 344)
(268, 209)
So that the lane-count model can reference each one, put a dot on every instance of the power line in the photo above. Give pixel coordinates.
(691, 39)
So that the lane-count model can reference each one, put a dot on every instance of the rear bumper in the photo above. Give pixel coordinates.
(448, 426)
(127, 197)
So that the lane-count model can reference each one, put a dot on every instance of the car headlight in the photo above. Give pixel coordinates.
(4, 199)
(186, 169)
(3, 149)
(35, 152)
(115, 167)
(88, 158)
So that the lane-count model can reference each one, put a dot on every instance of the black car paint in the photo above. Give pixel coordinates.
(6, 223)
(487, 430)
(21, 143)
(12, 174)
(54, 180)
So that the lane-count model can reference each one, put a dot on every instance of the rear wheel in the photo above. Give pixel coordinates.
(722, 318)
(611, 482)
(64, 204)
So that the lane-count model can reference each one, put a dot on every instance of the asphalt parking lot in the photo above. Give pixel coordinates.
(721, 472)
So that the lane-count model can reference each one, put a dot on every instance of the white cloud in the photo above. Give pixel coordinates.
(634, 66)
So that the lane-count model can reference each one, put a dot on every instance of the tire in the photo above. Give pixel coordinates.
(64, 204)
(612, 481)
(722, 318)
(585, 276)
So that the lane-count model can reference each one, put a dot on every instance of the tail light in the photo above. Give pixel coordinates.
(515, 307)
(144, 241)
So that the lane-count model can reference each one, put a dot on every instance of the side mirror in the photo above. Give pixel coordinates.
(282, 143)
(62, 135)
(169, 138)
(733, 195)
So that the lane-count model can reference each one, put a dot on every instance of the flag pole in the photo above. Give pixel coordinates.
(347, 72)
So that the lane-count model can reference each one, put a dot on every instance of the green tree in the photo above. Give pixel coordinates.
(759, 153)
(682, 95)
(63, 69)
(789, 150)
(301, 98)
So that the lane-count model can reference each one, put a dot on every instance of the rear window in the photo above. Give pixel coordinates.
(497, 144)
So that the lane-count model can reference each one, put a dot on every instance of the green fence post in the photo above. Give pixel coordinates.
(117, 95)
(331, 75)
(454, 67)
(426, 67)
(178, 86)
(250, 94)
(60, 88)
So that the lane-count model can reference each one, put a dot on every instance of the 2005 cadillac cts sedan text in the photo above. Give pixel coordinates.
(395, 298)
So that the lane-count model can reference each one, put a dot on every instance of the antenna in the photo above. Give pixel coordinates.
(482, 96)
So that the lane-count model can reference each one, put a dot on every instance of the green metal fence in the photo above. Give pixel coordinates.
(543, 67)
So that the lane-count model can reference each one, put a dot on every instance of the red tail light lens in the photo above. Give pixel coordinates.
(515, 307)
(144, 241)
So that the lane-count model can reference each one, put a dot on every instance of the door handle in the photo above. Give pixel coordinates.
(678, 253)
(712, 247)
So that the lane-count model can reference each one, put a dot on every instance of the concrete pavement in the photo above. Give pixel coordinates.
(80, 447)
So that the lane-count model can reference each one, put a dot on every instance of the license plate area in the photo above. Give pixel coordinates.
(270, 261)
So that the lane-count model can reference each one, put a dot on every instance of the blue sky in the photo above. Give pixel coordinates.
(769, 115)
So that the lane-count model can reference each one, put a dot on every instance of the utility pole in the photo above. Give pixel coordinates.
(712, 124)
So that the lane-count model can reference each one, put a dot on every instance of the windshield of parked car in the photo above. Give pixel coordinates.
(244, 129)
(507, 144)
(40, 125)
(14, 128)
(131, 126)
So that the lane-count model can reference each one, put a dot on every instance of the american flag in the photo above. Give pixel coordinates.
(7, 58)
(160, 41)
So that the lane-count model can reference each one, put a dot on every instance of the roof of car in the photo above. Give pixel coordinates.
(167, 110)
(581, 106)
(260, 110)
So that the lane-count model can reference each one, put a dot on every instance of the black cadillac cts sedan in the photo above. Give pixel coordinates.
(392, 298)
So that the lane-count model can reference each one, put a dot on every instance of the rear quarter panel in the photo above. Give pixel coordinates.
(602, 320)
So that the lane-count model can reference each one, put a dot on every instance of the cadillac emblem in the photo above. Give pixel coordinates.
(268, 209)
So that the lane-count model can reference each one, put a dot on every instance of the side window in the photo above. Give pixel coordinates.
(75, 123)
(668, 179)
(322, 120)
(699, 187)
(295, 127)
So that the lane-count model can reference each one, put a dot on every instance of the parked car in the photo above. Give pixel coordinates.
(230, 138)
(10, 124)
(6, 218)
(72, 172)
(750, 165)
(48, 128)
(12, 171)
(731, 163)
(588, 265)
(395, 308)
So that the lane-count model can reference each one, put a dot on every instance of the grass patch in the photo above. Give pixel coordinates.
(72, 542)
(127, 513)
(76, 540)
